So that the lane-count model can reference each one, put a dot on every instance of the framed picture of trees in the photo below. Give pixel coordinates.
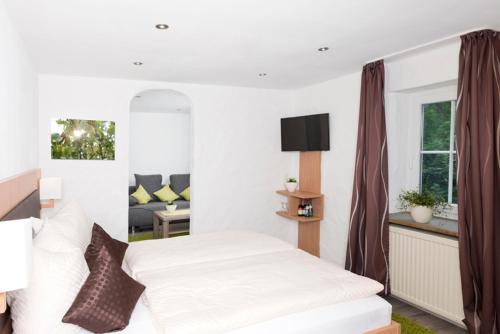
(77, 139)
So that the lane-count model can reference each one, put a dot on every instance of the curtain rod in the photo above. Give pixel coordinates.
(421, 46)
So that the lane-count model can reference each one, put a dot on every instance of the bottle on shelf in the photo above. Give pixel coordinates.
(301, 209)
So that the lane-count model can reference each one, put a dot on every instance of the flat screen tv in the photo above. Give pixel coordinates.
(306, 133)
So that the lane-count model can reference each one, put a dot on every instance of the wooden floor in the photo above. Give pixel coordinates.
(424, 318)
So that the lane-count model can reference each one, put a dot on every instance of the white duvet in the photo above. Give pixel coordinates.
(222, 286)
(163, 253)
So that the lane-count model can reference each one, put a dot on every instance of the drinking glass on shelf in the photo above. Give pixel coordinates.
(284, 206)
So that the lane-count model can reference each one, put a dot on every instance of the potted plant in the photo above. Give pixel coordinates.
(422, 205)
(291, 184)
(171, 207)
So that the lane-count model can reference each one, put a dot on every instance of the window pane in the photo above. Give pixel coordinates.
(454, 198)
(436, 132)
(435, 171)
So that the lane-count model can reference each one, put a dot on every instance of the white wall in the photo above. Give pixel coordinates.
(160, 143)
(18, 102)
(340, 97)
(237, 163)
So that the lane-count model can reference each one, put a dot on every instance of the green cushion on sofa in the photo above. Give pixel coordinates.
(186, 194)
(166, 194)
(141, 195)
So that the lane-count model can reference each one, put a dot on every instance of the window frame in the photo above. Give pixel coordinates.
(415, 100)
(451, 152)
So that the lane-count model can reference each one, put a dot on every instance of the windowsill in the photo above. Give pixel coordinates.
(438, 225)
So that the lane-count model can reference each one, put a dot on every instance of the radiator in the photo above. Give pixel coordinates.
(425, 272)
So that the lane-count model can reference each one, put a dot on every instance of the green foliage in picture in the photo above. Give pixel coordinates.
(76, 139)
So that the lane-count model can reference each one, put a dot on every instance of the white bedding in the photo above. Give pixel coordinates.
(225, 287)
(140, 322)
(158, 254)
(353, 317)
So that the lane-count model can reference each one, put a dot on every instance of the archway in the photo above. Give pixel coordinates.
(160, 161)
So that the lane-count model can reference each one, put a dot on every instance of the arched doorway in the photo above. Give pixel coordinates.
(159, 164)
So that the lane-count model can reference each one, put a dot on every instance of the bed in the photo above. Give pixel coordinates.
(244, 282)
(239, 282)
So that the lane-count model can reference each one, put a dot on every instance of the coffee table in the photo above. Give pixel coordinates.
(165, 219)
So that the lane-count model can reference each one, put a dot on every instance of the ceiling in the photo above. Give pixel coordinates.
(230, 42)
(160, 101)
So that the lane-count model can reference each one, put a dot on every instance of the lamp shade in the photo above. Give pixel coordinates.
(15, 254)
(50, 188)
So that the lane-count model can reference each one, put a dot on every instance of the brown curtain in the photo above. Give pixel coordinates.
(368, 243)
(478, 150)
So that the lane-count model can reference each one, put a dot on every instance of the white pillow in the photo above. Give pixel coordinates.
(51, 238)
(36, 225)
(56, 279)
(74, 224)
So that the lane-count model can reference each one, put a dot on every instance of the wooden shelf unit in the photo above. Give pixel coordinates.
(299, 194)
(309, 189)
(298, 218)
(294, 200)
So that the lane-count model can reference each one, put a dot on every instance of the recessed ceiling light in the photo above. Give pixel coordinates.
(323, 49)
(262, 74)
(161, 26)
(137, 63)
(137, 96)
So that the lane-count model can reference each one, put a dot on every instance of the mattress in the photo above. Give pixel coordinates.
(240, 282)
(353, 317)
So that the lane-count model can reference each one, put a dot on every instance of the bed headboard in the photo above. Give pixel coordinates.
(19, 198)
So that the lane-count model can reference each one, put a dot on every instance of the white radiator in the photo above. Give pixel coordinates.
(425, 272)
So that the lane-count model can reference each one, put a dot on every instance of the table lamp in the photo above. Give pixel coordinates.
(15, 256)
(50, 189)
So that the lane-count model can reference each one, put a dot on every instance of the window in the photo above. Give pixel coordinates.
(438, 157)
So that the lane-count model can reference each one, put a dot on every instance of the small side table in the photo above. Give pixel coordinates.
(165, 218)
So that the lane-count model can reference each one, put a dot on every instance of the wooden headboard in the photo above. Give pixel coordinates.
(19, 198)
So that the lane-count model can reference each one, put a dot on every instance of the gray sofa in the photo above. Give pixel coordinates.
(140, 216)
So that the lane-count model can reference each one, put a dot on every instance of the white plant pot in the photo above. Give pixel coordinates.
(421, 214)
(291, 186)
(172, 207)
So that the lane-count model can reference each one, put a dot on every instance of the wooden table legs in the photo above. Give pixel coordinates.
(156, 227)
(166, 225)
(162, 221)
(160, 227)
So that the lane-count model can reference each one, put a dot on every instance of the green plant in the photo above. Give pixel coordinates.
(291, 180)
(170, 202)
(411, 198)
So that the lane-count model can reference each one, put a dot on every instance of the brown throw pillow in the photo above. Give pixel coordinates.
(116, 248)
(107, 298)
